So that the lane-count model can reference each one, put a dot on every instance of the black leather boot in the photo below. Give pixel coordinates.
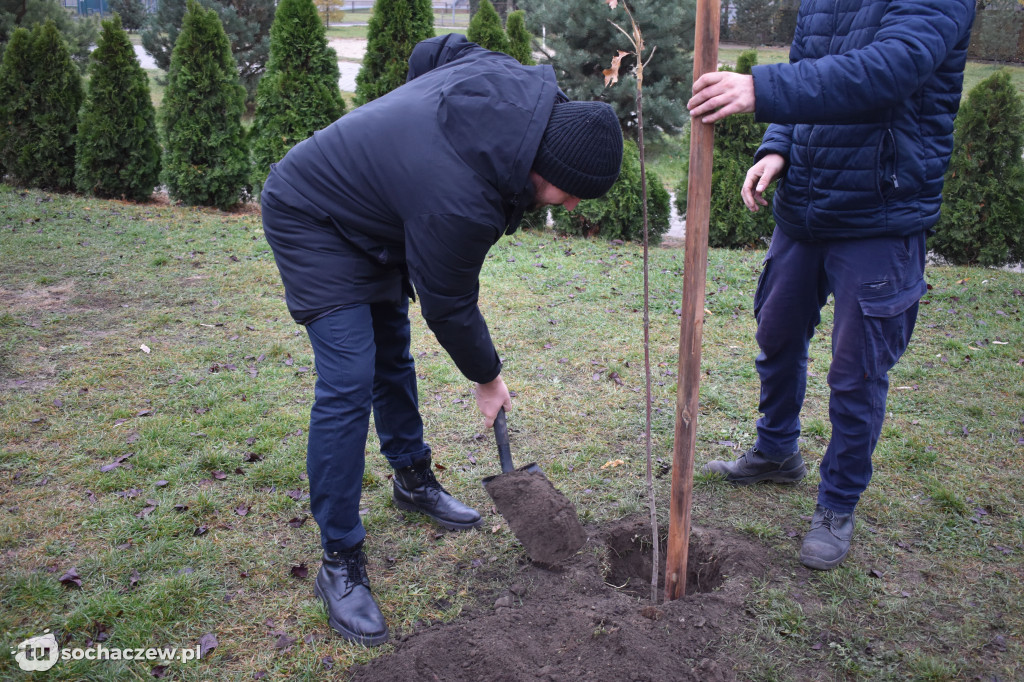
(416, 489)
(344, 588)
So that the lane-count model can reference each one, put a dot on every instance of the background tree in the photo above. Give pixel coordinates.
(619, 213)
(485, 28)
(247, 22)
(40, 91)
(118, 153)
(79, 32)
(737, 137)
(132, 12)
(329, 12)
(395, 28)
(299, 93)
(205, 159)
(753, 21)
(583, 41)
(983, 211)
(520, 42)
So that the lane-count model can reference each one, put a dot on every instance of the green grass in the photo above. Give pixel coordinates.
(212, 420)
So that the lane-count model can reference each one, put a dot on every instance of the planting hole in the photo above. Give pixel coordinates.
(629, 559)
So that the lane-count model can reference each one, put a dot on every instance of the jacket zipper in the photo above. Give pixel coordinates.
(835, 27)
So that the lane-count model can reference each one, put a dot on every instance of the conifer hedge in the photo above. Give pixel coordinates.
(737, 137)
(485, 28)
(40, 94)
(982, 219)
(619, 214)
(520, 42)
(118, 151)
(299, 93)
(15, 99)
(395, 28)
(206, 161)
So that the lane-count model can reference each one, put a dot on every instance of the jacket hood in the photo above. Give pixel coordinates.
(434, 52)
(475, 93)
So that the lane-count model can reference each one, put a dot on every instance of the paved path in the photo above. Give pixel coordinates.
(348, 49)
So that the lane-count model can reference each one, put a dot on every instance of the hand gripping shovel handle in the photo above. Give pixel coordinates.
(501, 436)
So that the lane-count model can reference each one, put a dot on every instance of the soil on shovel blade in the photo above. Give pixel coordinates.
(593, 619)
(542, 519)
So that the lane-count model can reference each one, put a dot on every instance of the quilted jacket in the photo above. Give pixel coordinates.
(414, 187)
(863, 113)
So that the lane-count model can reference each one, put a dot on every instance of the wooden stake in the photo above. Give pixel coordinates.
(691, 325)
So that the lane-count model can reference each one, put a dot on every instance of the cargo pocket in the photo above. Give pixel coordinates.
(889, 318)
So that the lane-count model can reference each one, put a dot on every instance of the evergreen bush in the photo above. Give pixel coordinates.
(619, 214)
(982, 219)
(485, 28)
(118, 152)
(299, 93)
(395, 28)
(15, 99)
(80, 32)
(422, 20)
(41, 92)
(737, 137)
(520, 42)
(205, 161)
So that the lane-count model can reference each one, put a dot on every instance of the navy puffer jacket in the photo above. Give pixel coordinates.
(863, 114)
(415, 186)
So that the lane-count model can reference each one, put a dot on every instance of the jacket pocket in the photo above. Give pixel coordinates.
(759, 291)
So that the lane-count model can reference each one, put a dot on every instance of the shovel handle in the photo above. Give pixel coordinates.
(501, 436)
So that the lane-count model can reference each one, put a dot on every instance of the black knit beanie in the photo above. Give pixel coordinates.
(581, 151)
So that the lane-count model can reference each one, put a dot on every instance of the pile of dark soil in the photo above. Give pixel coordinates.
(543, 519)
(592, 619)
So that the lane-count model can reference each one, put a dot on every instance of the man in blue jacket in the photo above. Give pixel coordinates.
(861, 135)
(403, 197)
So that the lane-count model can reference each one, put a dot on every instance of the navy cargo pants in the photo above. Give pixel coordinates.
(876, 284)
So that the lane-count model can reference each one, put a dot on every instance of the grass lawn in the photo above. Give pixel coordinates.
(154, 397)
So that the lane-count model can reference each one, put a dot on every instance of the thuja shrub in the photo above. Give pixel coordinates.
(485, 28)
(206, 161)
(520, 42)
(983, 208)
(15, 99)
(619, 213)
(395, 28)
(40, 94)
(118, 151)
(299, 93)
(737, 137)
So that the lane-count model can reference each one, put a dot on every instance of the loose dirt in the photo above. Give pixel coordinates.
(542, 519)
(588, 621)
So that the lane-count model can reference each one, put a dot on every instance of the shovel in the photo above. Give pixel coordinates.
(543, 519)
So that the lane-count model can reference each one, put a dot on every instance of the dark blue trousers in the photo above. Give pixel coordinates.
(362, 362)
(876, 284)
